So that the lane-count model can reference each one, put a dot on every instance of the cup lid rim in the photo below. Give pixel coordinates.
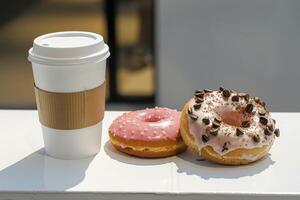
(68, 48)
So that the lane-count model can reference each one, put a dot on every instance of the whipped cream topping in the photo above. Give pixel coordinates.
(241, 126)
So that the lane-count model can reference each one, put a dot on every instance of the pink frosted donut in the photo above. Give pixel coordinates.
(147, 133)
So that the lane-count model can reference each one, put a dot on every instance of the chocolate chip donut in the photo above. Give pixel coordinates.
(227, 127)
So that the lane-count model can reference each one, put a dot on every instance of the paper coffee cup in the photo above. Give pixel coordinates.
(69, 76)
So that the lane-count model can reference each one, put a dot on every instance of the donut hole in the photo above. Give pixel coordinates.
(231, 117)
(153, 118)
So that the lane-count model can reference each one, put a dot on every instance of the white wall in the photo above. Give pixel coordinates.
(249, 45)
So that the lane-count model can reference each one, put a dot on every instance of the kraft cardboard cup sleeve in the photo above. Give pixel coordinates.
(69, 84)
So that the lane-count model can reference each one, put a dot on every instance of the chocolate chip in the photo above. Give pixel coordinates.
(244, 95)
(218, 119)
(214, 131)
(256, 138)
(216, 124)
(198, 91)
(256, 99)
(249, 108)
(247, 97)
(207, 91)
(262, 112)
(235, 98)
(277, 132)
(199, 95)
(226, 93)
(204, 138)
(267, 132)
(246, 124)
(197, 106)
(205, 120)
(193, 117)
(239, 132)
(224, 148)
(270, 127)
(221, 89)
(274, 121)
(263, 103)
(263, 120)
(199, 100)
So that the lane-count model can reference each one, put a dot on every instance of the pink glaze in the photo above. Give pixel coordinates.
(147, 125)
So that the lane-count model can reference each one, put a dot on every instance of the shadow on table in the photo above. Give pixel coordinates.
(189, 163)
(40, 172)
(124, 158)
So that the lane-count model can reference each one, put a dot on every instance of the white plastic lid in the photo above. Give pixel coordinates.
(68, 48)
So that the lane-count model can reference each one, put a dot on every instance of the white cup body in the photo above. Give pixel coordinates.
(75, 143)
(69, 78)
(72, 144)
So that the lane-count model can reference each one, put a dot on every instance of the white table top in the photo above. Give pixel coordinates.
(27, 173)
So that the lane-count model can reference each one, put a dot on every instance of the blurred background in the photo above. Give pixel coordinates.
(127, 27)
(162, 50)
